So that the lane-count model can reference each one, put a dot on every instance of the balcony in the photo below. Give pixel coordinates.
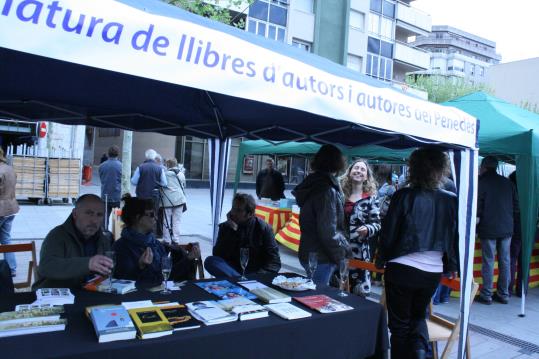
(415, 58)
(412, 21)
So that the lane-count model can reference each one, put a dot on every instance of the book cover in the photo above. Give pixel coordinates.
(112, 323)
(102, 284)
(323, 303)
(54, 296)
(287, 311)
(32, 315)
(265, 293)
(244, 308)
(150, 322)
(225, 290)
(41, 325)
(209, 312)
(179, 317)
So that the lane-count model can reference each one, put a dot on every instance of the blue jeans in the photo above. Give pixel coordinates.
(502, 246)
(5, 238)
(218, 267)
(323, 273)
(441, 295)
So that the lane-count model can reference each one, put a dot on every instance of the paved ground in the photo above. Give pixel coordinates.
(496, 330)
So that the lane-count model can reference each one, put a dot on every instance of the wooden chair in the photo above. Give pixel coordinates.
(441, 329)
(200, 266)
(359, 264)
(32, 265)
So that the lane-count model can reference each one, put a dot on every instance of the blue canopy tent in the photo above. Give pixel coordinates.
(147, 66)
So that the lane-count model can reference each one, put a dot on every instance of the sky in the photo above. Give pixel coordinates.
(513, 25)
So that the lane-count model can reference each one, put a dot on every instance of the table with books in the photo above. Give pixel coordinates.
(340, 327)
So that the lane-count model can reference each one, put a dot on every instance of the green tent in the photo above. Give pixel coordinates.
(261, 147)
(510, 133)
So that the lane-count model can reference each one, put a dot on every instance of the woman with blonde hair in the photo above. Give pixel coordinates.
(362, 215)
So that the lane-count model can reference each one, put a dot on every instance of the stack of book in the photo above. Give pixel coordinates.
(150, 322)
(209, 312)
(244, 308)
(54, 296)
(287, 311)
(112, 323)
(178, 316)
(265, 293)
(102, 284)
(225, 290)
(31, 321)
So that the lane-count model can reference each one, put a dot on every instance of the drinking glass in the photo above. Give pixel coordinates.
(313, 263)
(166, 267)
(244, 260)
(112, 256)
(343, 271)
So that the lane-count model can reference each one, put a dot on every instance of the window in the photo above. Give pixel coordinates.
(386, 28)
(354, 62)
(374, 23)
(379, 67)
(304, 45)
(108, 132)
(357, 19)
(379, 47)
(376, 5)
(381, 26)
(388, 9)
(481, 71)
(304, 5)
(472, 69)
(268, 18)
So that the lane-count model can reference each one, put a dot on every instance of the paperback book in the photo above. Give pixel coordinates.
(209, 312)
(265, 293)
(323, 303)
(102, 284)
(112, 323)
(54, 296)
(150, 322)
(179, 317)
(225, 290)
(287, 311)
(245, 309)
(31, 321)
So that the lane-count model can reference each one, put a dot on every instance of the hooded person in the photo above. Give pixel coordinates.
(322, 214)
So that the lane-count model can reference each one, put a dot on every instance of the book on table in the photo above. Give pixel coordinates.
(54, 296)
(287, 311)
(178, 316)
(246, 309)
(102, 284)
(265, 293)
(323, 303)
(36, 320)
(225, 290)
(210, 312)
(112, 323)
(150, 322)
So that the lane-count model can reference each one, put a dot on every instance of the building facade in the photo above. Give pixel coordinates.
(457, 53)
(369, 36)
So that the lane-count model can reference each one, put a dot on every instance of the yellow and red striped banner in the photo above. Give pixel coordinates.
(275, 217)
(290, 235)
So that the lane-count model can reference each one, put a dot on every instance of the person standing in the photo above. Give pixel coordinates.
(8, 208)
(417, 244)
(363, 219)
(110, 174)
(174, 201)
(497, 205)
(149, 176)
(321, 218)
(270, 183)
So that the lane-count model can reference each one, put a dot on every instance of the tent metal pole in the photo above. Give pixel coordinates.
(523, 301)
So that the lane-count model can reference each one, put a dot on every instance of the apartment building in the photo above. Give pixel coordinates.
(457, 53)
(369, 36)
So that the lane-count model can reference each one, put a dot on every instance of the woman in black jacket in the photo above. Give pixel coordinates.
(321, 218)
(417, 242)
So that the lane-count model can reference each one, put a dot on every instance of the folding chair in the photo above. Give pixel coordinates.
(200, 266)
(441, 329)
(32, 265)
(363, 265)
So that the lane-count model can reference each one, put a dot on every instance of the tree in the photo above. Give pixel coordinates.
(444, 88)
(216, 10)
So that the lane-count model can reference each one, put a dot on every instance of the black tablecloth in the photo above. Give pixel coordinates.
(359, 333)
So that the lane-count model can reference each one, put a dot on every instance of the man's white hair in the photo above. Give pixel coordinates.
(150, 154)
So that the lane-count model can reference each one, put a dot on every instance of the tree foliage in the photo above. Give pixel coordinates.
(444, 88)
(220, 11)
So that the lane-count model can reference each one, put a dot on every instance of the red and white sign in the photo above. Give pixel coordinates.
(42, 129)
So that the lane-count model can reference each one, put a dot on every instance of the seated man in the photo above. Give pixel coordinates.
(243, 230)
(74, 250)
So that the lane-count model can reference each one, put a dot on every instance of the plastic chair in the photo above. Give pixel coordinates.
(32, 265)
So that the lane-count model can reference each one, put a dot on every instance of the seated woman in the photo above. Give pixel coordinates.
(138, 252)
(362, 216)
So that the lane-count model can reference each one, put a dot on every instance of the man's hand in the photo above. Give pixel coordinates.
(195, 252)
(362, 231)
(100, 264)
(146, 258)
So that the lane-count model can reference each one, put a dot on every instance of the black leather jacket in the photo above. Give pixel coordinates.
(321, 219)
(420, 220)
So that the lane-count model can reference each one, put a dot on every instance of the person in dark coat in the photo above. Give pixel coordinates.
(138, 252)
(515, 284)
(269, 182)
(149, 176)
(321, 218)
(110, 174)
(243, 230)
(418, 243)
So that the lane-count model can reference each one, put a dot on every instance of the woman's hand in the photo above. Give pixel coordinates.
(146, 258)
(362, 231)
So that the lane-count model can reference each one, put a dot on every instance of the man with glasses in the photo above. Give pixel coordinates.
(74, 250)
(243, 230)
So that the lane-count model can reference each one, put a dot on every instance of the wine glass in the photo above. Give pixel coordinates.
(313, 263)
(112, 257)
(166, 267)
(244, 260)
(343, 271)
